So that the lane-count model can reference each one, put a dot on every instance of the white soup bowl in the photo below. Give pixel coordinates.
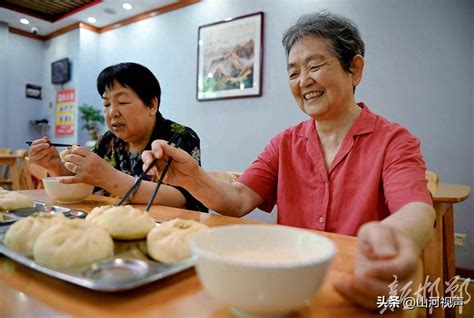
(262, 270)
(66, 193)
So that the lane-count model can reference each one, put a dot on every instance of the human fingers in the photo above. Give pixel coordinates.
(70, 180)
(377, 240)
(347, 289)
(162, 150)
(42, 152)
(147, 158)
(40, 141)
(157, 148)
(80, 150)
(71, 166)
(403, 265)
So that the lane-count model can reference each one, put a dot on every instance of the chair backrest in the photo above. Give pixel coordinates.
(6, 151)
(224, 176)
(229, 176)
(431, 176)
(236, 174)
(24, 176)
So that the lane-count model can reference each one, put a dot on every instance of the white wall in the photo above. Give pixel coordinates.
(65, 45)
(24, 66)
(419, 72)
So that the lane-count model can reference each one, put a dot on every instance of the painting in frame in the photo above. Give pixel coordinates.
(230, 56)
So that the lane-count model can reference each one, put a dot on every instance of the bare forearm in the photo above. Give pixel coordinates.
(120, 183)
(232, 199)
(415, 220)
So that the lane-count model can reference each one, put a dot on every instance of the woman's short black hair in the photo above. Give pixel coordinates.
(135, 76)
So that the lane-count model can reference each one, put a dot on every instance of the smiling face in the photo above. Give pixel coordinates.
(317, 80)
(126, 115)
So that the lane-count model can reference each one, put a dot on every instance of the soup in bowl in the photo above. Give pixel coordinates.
(262, 270)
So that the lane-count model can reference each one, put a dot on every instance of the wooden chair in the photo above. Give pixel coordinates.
(5, 174)
(438, 255)
(6, 151)
(225, 176)
(431, 176)
(23, 172)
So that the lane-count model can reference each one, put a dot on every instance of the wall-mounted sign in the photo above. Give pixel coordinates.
(65, 112)
(33, 91)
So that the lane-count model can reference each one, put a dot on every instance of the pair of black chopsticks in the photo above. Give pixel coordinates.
(138, 181)
(55, 144)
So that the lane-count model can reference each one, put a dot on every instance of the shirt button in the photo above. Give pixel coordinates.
(326, 185)
(321, 219)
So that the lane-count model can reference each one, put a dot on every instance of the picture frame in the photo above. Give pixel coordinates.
(230, 58)
(33, 91)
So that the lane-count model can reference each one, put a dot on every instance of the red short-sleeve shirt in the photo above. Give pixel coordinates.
(377, 169)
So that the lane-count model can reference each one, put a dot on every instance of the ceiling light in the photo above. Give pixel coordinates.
(91, 20)
(127, 6)
(24, 21)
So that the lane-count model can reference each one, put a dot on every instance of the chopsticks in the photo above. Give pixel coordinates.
(137, 182)
(55, 144)
(158, 185)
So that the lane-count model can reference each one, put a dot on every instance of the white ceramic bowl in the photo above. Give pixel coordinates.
(262, 270)
(66, 193)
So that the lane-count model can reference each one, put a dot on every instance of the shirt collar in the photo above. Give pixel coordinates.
(364, 124)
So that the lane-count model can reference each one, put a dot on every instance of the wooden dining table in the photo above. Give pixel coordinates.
(25, 292)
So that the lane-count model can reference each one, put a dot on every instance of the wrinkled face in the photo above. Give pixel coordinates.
(126, 115)
(317, 80)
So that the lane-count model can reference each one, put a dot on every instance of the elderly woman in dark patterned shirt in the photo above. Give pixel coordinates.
(131, 99)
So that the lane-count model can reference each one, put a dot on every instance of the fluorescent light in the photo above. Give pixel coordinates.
(24, 21)
(91, 20)
(127, 6)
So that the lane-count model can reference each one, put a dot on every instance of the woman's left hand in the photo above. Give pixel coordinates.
(382, 252)
(87, 167)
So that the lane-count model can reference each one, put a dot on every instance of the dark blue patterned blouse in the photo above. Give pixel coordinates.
(114, 150)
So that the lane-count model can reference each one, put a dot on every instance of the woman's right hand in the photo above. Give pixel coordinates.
(45, 155)
(182, 170)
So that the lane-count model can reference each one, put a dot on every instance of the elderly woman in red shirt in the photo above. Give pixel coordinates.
(345, 170)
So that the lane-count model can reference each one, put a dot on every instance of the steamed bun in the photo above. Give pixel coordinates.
(11, 200)
(122, 222)
(72, 243)
(170, 242)
(66, 152)
(22, 234)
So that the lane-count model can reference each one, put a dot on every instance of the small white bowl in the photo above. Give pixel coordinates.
(66, 193)
(262, 270)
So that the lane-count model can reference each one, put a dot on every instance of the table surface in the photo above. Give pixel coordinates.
(25, 292)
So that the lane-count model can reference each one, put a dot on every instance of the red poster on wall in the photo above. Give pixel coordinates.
(65, 109)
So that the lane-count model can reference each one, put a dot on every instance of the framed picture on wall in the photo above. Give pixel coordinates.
(230, 57)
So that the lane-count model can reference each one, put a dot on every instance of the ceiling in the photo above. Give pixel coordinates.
(48, 16)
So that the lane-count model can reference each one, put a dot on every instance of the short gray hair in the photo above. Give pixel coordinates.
(342, 34)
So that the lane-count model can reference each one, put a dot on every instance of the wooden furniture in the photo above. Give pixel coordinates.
(438, 255)
(228, 176)
(223, 176)
(25, 292)
(8, 167)
(24, 176)
(35, 173)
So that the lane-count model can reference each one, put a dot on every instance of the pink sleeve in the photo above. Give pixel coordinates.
(403, 175)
